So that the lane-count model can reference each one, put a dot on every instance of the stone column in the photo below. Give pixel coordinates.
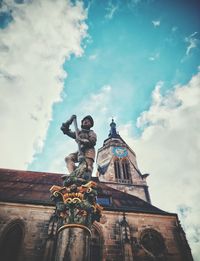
(77, 209)
(73, 243)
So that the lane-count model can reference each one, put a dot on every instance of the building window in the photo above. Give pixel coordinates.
(11, 242)
(117, 169)
(96, 245)
(122, 171)
(153, 242)
(126, 169)
(104, 200)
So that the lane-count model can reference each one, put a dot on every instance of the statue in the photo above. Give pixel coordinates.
(76, 207)
(86, 140)
(76, 200)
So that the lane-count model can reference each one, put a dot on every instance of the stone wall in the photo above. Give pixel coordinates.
(112, 246)
(34, 220)
(138, 222)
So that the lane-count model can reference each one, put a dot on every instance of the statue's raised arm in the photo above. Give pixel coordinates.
(65, 127)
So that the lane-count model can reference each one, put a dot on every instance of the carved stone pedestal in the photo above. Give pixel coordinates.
(73, 243)
(76, 210)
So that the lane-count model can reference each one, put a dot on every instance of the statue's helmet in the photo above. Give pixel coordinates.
(88, 117)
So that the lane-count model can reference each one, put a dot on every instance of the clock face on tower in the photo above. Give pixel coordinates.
(120, 152)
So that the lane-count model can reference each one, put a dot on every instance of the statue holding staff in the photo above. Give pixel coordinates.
(86, 140)
(76, 206)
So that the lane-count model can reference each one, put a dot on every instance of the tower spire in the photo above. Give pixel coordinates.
(113, 132)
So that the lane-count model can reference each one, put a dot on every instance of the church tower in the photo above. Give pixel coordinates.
(117, 166)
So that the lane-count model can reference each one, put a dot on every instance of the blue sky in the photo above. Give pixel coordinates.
(130, 46)
(136, 60)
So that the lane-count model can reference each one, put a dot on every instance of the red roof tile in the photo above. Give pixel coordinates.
(33, 188)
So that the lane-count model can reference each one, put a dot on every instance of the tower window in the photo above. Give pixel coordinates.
(122, 171)
(126, 170)
(117, 169)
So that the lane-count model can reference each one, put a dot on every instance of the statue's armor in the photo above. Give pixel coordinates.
(87, 148)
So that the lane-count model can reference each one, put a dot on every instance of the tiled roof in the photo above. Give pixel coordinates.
(33, 188)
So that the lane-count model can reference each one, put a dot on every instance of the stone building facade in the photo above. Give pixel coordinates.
(131, 228)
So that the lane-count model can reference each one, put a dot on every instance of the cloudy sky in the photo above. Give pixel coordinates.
(135, 60)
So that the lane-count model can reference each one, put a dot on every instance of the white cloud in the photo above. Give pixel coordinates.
(192, 42)
(33, 48)
(93, 57)
(97, 102)
(169, 150)
(154, 56)
(156, 23)
(111, 10)
(133, 3)
(174, 28)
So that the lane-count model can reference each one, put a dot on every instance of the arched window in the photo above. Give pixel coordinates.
(153, 242)
(126, 170)
(117, 169)
(96, 245)
(11, 241)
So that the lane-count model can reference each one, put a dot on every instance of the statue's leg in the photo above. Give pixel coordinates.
(70, 160)
(89, 166)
